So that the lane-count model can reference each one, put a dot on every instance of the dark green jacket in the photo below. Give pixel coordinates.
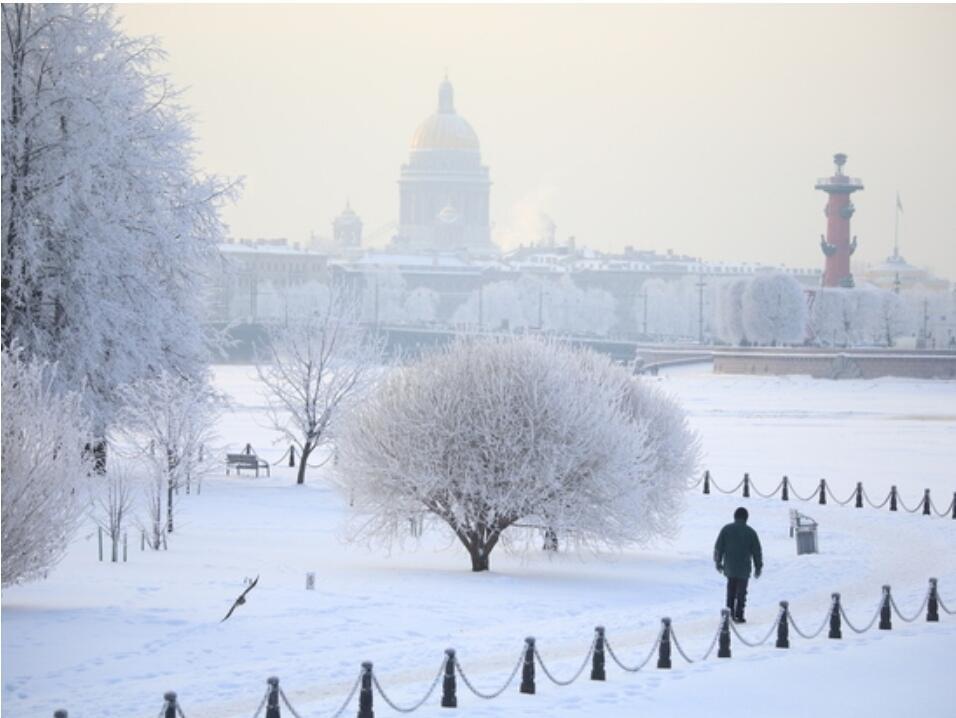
(736, 546)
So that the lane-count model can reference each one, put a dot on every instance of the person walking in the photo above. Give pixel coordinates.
(737, 546)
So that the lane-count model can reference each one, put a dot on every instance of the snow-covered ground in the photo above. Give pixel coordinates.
(107, 640)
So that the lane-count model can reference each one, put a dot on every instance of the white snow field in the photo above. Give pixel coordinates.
(104, 640)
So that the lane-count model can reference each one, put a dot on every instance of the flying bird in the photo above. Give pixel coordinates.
(242, 598)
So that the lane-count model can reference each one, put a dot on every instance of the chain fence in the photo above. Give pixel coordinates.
(785, 487)
(367, 681)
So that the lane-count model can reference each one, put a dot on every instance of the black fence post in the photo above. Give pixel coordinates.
(707, 482)
(169, 704)
(597, 659)
(892, 498)
(835, 628)
(746, 485)
(365, 692)
(272, 700)
(783, 627)
(932, 605)
(885, 623)
(59, 714)
(954, 504)
(664, 647)
(527, 670)
(292, 456)
(785, 494)
(859, 495)
(926, 503)
(823, 491)
(723, 642)
(448, 686)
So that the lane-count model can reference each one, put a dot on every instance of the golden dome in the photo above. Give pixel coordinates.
(445, 130)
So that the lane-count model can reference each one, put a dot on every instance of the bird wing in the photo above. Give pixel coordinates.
(236, 603)
(250, 587)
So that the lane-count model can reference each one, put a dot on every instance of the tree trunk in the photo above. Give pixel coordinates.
(479, 559)
(303, 463)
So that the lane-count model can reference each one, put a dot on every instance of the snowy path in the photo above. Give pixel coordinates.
(107, 640)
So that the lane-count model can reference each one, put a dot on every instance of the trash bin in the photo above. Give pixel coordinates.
(805, 530)
(806, 539)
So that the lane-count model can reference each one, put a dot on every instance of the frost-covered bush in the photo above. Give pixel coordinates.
(774, 310)
(485, 433)
(44, 468)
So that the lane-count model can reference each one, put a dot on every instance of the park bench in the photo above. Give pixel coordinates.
(246, 461)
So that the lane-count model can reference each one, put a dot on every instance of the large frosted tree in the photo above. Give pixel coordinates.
(774, 310)
(486, 433)
(105, 221)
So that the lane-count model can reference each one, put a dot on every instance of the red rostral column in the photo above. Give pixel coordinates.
(837, 246)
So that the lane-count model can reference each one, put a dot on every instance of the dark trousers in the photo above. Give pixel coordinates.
(736, 595)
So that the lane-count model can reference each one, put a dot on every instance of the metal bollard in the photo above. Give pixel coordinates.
(783, 627)
(746, 485)
(448, 686)
(292, 457)
(926, 503)
(365, 692)
(597, 659)
(892, 498)
(954, 504)
(125, 543)
(785, 494)
(723, 642)
(59, 714)
(142, 541)
(707, 482)
(885, 623)
(99, 534)
(859, 495)
(835, 628)
(932, 605)
(169, 705)
(527, 670)
(823, 491)
(664, 647)
(272, 699)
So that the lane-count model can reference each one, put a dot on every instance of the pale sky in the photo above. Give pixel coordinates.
(695, 128)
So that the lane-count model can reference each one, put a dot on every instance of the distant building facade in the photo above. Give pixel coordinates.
(444, 189)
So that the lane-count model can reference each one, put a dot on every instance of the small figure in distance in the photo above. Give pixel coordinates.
(737, 546)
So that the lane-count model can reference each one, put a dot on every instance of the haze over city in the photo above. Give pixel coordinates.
(697, 129)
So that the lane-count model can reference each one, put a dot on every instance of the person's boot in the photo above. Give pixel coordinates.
(739, 618)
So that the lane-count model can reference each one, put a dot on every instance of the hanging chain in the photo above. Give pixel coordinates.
(713, 642)
(495, 694)
(763, 495)
(810, 637)
(833, 496)
(868, 626)
(643, 663)
(287, 704)
(754, 644)
(262, 704)
(419, 704)
(880, 505)
(574, 677)
(919, 611)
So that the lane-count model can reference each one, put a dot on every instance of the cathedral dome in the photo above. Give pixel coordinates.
(445, 130)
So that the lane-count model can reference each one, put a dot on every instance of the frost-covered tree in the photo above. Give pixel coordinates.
(112, 498)
(774, 310)
(44, 468)
(729, 312)
(890, 318)
(485, 433)
(169, 422)
(105, 221)
(314, 368)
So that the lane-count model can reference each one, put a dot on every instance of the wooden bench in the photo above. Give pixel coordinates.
(246, 461)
